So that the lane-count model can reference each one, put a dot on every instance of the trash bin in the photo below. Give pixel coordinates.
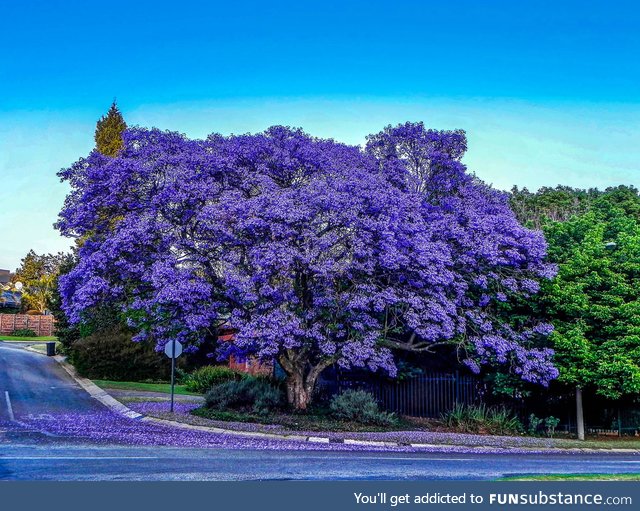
(51, 349)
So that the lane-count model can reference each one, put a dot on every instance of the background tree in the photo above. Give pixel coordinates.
(594, 302)
(66, 332)
(38, 274)
(109, 130)
(101, 345)
(314, 252)
(561, 203)
(550, 204)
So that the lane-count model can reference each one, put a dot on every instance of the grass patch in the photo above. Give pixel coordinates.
(144, 387)
(42, 348)
(314, 420)
(575, 477)
(600, 443)
(11, 338)
(129, 399)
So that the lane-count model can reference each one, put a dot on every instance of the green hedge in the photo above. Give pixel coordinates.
(110, 354)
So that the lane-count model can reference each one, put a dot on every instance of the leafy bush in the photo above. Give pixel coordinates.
(202, 379)
(534, 424)
(248, 394)
(110, 354)
(551, 423)
(24, 332)
(482, 419)
(360, 406)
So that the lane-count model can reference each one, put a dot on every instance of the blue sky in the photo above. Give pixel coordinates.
(549, 92)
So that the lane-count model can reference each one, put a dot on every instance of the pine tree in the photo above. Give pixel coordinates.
(109, 131)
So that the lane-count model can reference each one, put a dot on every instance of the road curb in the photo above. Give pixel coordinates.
(96, 392)
(123, 410)
(33, 350)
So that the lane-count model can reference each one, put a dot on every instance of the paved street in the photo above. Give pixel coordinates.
(33, 387)
(163, 463)
(35, 384)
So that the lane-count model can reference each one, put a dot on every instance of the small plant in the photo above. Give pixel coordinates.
(534, 424)
(248, 394)
(482, 419)
(202, 379)
(360, 406)
(181, 376)
(24, 332)
(551, 423)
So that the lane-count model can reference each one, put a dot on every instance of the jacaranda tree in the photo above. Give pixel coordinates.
(493, 259)
(314, 252)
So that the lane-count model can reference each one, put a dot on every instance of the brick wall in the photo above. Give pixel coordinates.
(41, 325)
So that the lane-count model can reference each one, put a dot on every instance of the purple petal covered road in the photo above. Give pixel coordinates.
(50, 428)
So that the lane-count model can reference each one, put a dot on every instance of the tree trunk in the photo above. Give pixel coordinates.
(297, 395)
(301, 379)
(579, 414)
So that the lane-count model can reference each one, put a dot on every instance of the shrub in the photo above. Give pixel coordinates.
(360, 406)
(482, 419)
(202, 379)
(551, 423)
(24, 332)
(110, 354)
(248, 394)
(534, 424)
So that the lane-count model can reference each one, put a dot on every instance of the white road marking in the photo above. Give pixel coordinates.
(79, 458)
(413, 459)
(11, 416)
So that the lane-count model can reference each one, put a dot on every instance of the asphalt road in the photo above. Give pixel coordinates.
(153, 463)
(32, 384)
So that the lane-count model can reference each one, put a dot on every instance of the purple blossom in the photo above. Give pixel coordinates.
(314, 252)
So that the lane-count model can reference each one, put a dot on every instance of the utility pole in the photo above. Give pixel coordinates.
(579, 413)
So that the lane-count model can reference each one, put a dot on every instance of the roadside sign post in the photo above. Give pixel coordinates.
(173, 350)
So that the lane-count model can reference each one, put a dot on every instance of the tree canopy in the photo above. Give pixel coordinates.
(559, 204)
(315, 252)
(594, 301)
(38, 274)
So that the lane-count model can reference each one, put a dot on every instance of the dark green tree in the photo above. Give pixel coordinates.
(560, 204)
(549, 204)
(594, 302)
(67, 333)
(109, 131)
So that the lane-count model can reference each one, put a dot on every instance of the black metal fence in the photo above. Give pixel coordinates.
(431, 394)
(427, 395)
